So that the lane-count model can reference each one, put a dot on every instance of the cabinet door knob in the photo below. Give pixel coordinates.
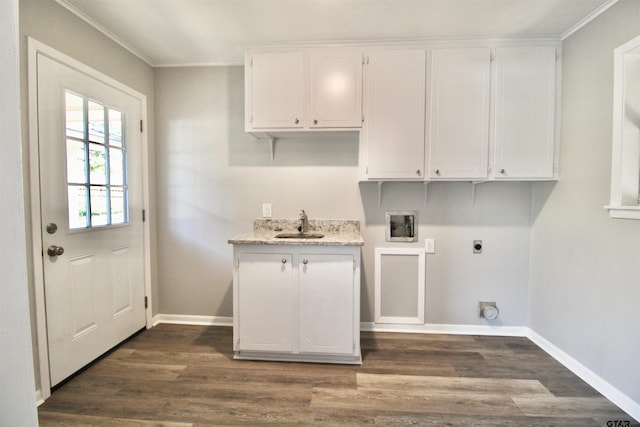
(296, 121)
(315, 121)
(418, 172)
(284, 260)
(438, 172)
(502, 170)
(305, 262)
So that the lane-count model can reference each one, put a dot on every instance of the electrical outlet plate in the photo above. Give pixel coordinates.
(266, 210)
(430, 246)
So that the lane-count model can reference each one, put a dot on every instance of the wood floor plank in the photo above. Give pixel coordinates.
(138, 370)
(569, 407)
(64, 420)
(396, 401)
(429, 386)
(459, 420)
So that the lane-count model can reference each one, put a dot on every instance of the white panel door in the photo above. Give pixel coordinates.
(277, 90)
(524, 120)
(459, 113)
(326, 303)
(335, 98)
(266, 292)
(90, 152)
(394, 113)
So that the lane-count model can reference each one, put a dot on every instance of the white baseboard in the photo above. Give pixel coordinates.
(603, 387)
(182, 319)
(610, 392)
(505, 331)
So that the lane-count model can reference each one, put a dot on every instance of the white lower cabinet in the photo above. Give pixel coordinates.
(266, 301)
(297, 303)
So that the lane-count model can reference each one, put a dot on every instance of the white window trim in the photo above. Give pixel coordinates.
(615, 207)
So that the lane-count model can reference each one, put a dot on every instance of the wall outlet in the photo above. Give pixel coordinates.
(266, 210)
(430, 246)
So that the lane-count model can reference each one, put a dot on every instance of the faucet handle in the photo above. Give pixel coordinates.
(302, 214)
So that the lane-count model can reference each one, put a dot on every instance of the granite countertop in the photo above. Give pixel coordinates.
(337, 232)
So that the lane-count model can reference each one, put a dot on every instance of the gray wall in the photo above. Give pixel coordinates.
(585, 267)
(213, 179)
(17, 393)
(51, 24)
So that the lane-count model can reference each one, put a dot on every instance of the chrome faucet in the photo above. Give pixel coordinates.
(302, 216)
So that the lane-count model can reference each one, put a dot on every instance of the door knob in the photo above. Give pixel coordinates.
(54, 250)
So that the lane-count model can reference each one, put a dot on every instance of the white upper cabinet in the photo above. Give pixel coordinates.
(392, 137)
(335, 98)
(459, 113)
(277, 90)
(525, 109)
(306, 89)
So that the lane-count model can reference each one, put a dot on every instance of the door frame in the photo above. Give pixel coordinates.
(34, 48)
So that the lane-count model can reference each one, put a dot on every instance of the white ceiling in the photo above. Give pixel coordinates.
(199, 32)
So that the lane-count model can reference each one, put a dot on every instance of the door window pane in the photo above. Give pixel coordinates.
(77, 196)
(96, 122)
(118, 202)
(76, 172)
(99, 208)
(115, 128)
(116, 166)
(96, 155)
(97, 164)
(74, 106)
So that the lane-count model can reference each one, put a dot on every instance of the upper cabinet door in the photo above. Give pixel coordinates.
(335, 88)
(524, 121)
(392, 137)
(459, 113)
(277, 93)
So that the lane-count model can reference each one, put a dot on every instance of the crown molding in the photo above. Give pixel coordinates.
(80, 14)
(590, 17)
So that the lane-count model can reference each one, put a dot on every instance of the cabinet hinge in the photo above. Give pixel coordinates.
(251, 119)
(237, 262)
(354, 264)
(557, 55)
(491, 57)
(238, 342)
(146, 302)
(141, 126)
(366, 60)
(144, 215)
(251, 62)
(354, 346)
(366, 170)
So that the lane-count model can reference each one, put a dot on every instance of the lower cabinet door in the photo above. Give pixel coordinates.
(326, 285)
(266, 290)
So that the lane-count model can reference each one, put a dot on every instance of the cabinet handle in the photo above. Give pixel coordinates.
(297, 120)
(315, 121)
(284, 260)
(438, 172)
(305, 262)
(502, 171)
(418, 172)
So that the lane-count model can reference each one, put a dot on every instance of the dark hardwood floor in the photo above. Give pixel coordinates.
(176, 375)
